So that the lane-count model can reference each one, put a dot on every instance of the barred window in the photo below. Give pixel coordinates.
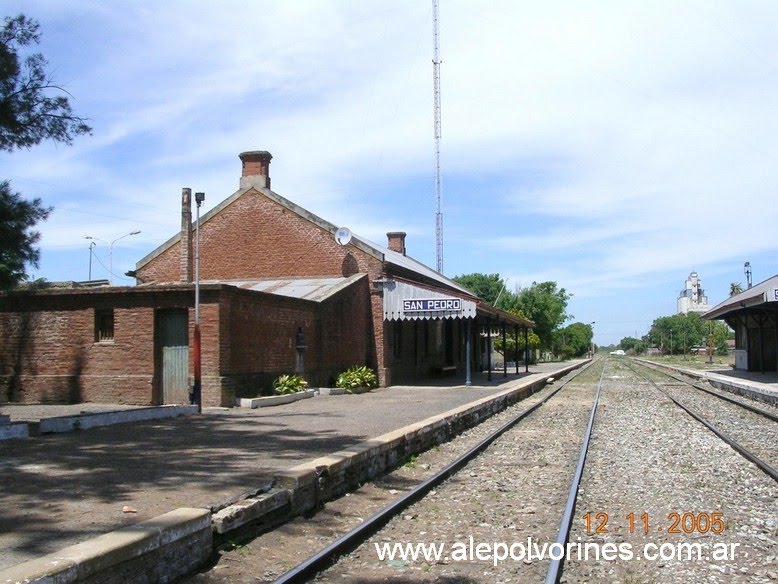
(103, 325)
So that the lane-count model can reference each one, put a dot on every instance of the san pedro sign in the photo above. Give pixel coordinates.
(432, 304)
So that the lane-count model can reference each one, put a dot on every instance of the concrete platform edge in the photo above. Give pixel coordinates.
(161, 549)
(312, 483)
(95, 419)
(738, 387)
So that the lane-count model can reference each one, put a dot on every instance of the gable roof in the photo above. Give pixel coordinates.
(383, 254)
(754, 296)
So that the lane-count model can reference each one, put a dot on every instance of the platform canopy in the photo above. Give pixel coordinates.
(761, 297)
(406, 301)
(753, 315)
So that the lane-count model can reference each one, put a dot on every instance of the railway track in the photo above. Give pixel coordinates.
(769, 412)
(650, 479)
(752, 431)
(579, 410)
(678, 501)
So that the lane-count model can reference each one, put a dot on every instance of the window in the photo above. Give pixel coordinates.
(104, 325)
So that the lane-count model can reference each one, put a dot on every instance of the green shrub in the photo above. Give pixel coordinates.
(286, 384)
(355, 377)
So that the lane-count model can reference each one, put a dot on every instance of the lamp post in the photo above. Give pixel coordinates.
(591, 324)
(197, 389)
(91, 245)
(110, 253)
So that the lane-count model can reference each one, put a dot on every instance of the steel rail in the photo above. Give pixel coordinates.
(555, 569)
(756, 410)
(362, 532)
(747, 454)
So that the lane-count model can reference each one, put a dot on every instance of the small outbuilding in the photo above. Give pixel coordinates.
(281, 291)
(753, 315)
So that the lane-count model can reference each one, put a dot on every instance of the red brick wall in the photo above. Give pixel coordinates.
(259, 337)
(49, 354)
(345, 337)
(255, 238)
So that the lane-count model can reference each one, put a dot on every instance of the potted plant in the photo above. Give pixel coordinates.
(357, 379)
(288, 384)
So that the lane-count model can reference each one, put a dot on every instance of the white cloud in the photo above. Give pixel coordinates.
(605, 146)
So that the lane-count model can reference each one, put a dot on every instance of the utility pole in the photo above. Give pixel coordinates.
(197, 395)
(91, 245)
(436, 88)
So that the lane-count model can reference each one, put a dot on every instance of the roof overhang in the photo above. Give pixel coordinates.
(406, 300)
(761, 296)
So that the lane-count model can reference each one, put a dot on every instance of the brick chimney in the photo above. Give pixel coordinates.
(396, 241)
(186, 235)
(256, 169)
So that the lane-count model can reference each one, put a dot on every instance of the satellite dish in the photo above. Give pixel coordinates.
(343, 235)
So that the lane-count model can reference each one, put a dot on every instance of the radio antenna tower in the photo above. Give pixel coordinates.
(436, 85)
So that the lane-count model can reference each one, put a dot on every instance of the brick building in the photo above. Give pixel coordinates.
(278, 294)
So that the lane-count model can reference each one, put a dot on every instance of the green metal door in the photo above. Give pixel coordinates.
(173, 331)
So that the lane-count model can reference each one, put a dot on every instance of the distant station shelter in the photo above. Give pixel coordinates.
(281, 291)
(753, 315)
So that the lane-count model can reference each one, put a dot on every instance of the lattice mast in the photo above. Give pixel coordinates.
(436, 89)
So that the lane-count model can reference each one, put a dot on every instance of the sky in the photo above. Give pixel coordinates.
(612, 147)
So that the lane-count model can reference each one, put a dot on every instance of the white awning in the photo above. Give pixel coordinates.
(404, 301)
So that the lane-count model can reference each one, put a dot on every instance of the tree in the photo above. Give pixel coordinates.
(486, 286)
(543, 303)
(510, 349)
(574, 340)
(17, 242)
(680, 332)
(546, 305)
(735, 288)
(32, 109)
(632, 344)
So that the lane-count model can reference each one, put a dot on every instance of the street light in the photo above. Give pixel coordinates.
(91, 245)
(110, 251)
(590, 326)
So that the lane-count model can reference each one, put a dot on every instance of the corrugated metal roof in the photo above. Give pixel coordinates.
(397, 259)
(314, 289)
(751, 297)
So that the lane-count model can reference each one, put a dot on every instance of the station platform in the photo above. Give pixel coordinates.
(751, 384)
(65, 488)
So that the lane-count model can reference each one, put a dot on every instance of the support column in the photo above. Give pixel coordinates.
(526, 350)
(489, 349)
(504, 353)
(468, 335)
(516, 347)
(761, 343)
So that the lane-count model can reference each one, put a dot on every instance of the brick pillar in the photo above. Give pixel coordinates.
(186, 235)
